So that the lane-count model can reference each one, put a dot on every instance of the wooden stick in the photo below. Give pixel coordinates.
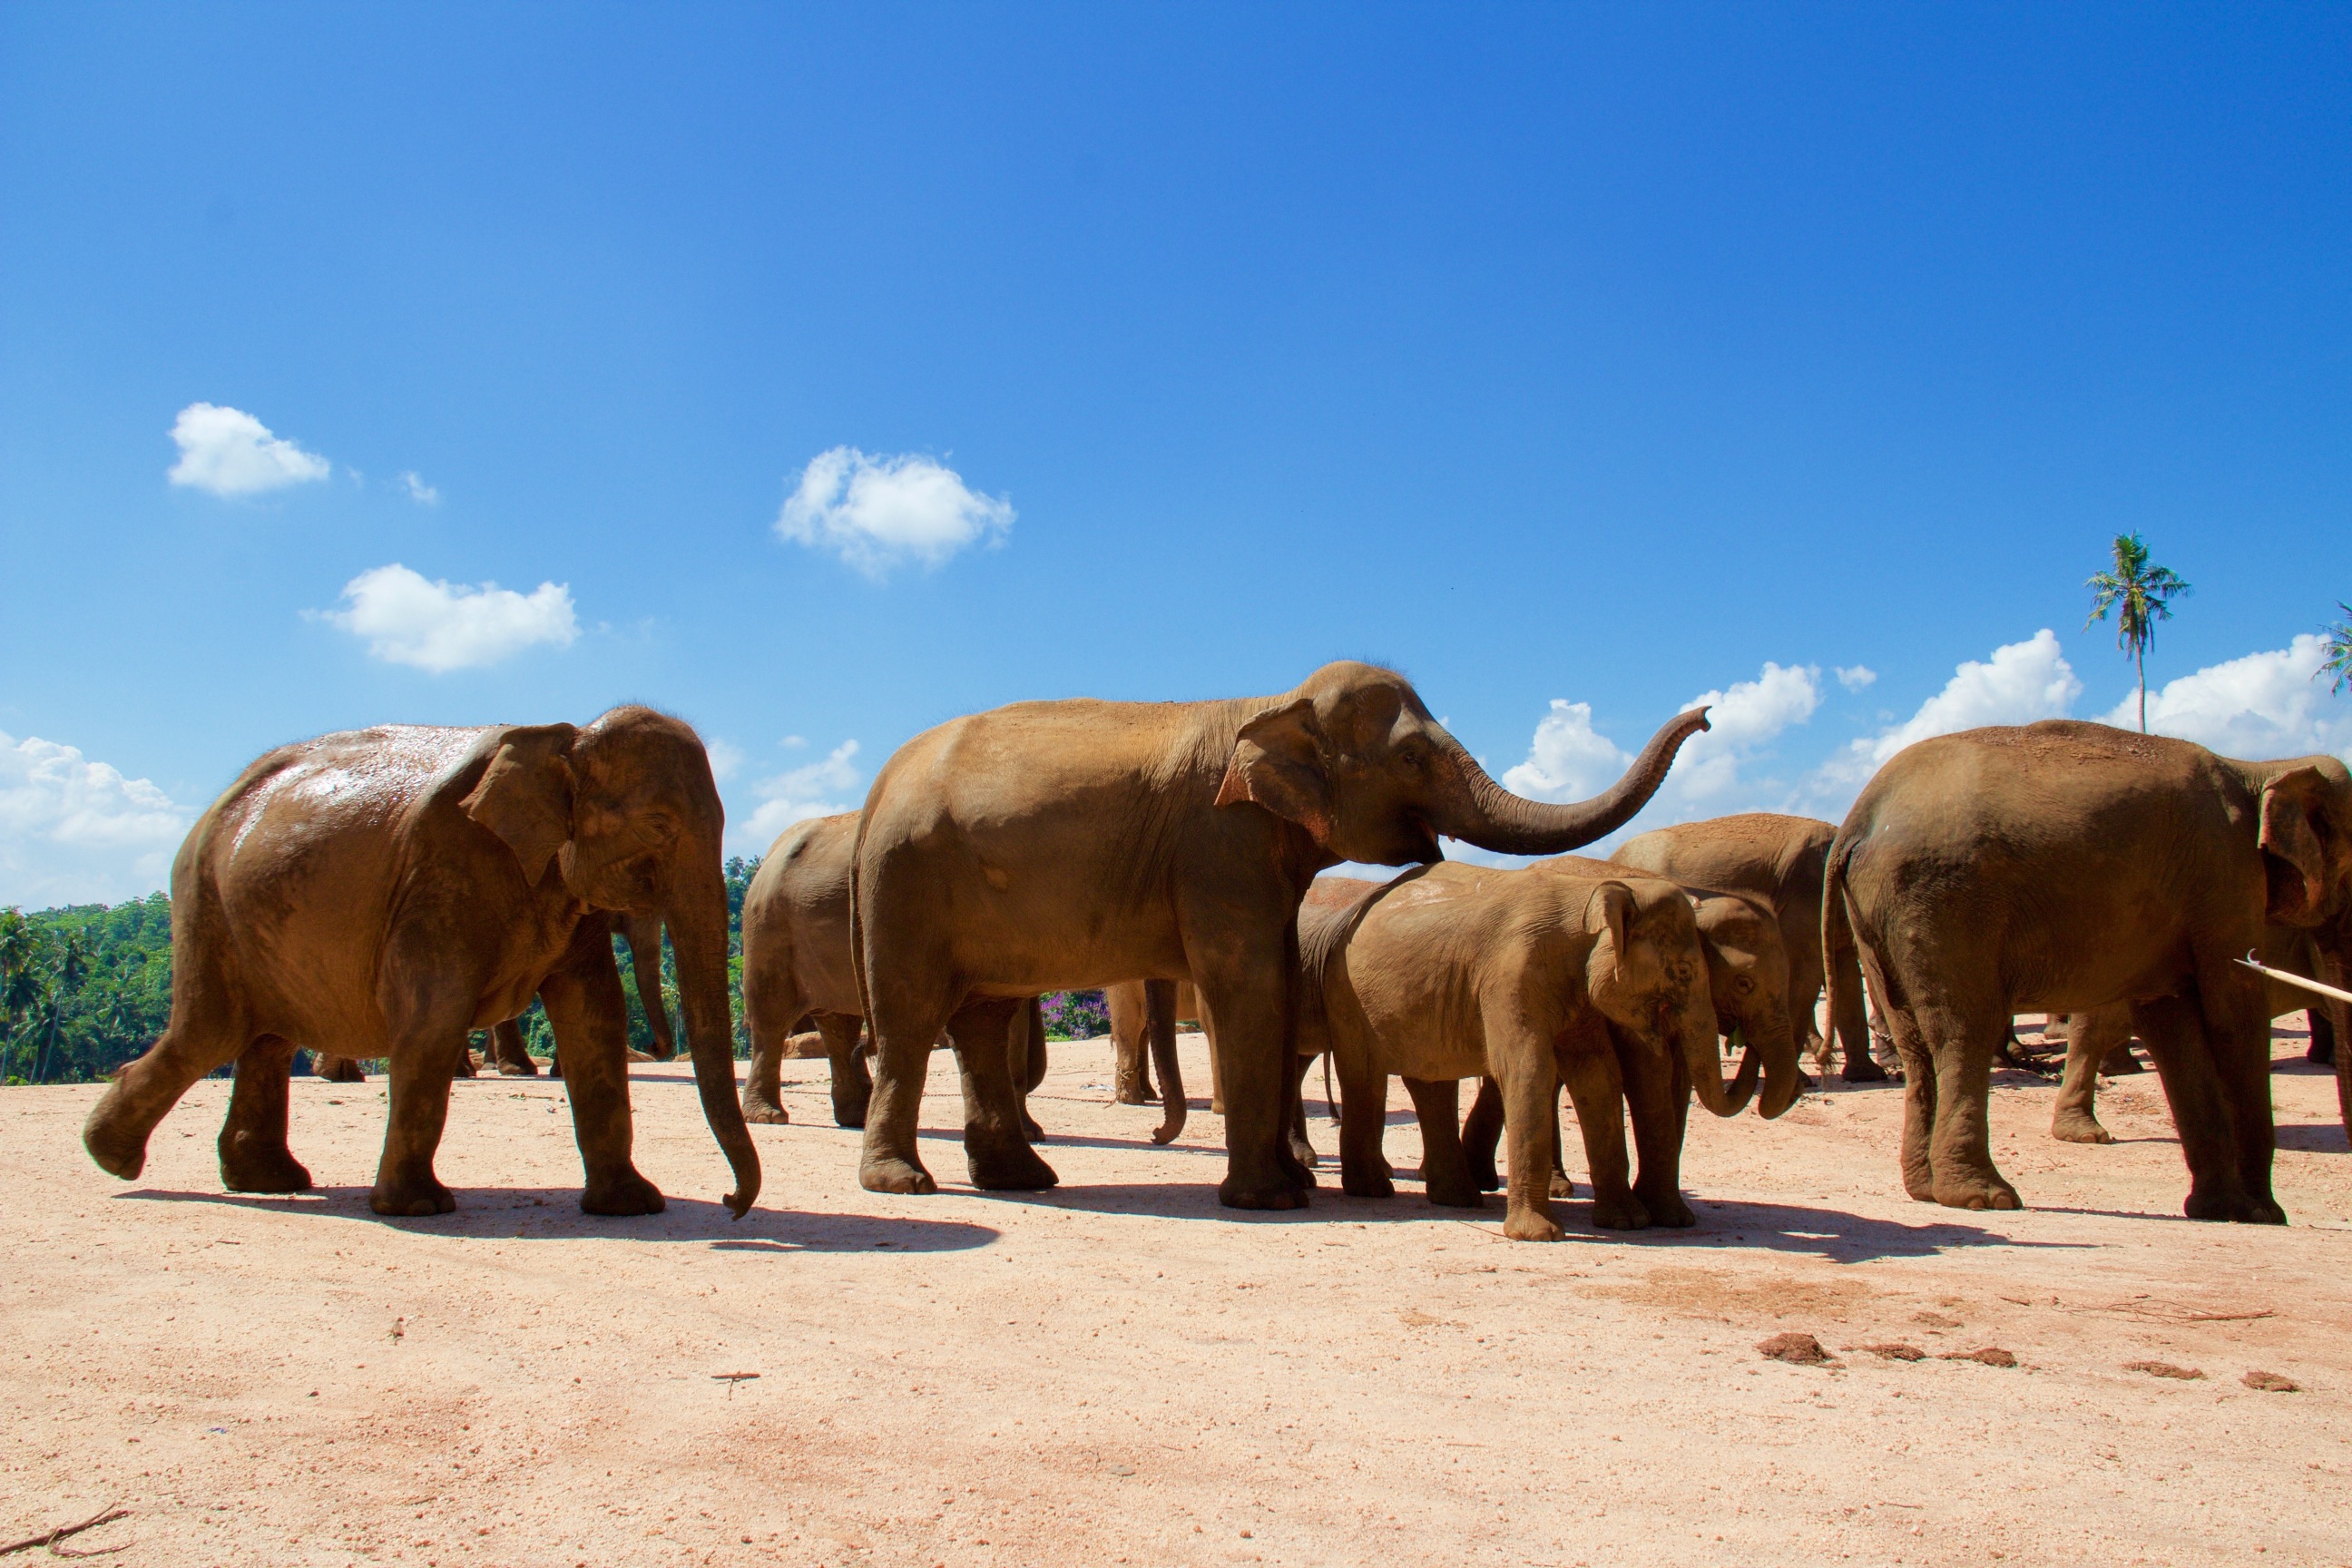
(106, 1515)
(2296, 980)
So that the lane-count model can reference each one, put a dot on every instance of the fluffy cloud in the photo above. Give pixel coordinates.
(417, 490)
(1569, 759)
(2263, 705)
(441, 626)
(1855, 678)
(879, 512)
(230, 453)
(2022, 681)
(819, 789)
(77, 831)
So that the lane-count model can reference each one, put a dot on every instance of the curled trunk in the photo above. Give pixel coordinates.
(1694, 1031)
(1775, 1040)
(1477, 810)
(698, 934)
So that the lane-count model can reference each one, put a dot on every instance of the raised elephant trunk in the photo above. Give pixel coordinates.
(1479, 811)
(698, 934)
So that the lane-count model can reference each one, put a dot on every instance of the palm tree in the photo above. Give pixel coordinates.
(2337, 644)
(2144, 592)
(73, 963)
(20, 984)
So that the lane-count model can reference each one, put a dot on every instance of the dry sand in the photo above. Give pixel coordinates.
(1119, 1371)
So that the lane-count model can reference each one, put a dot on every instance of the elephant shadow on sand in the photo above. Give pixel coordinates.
(552, 1213)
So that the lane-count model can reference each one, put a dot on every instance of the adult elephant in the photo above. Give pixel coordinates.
(2097, 1040)
(798, 970)
(393, 890)
(2065, 867)
(1779, 860)
(1062, 845)
(1456, 972)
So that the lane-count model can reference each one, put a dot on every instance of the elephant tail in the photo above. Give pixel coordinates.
(1839, 966)
(1160, 1031)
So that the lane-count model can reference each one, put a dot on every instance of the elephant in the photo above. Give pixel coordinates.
(507, 1054)
(2096, 1039)
(797, 967)
(1778, 859)
(393, 890)
(2065, 867)
(1144, 1016)
(1453, 971)
(1740, 937)
(1068, 845)
(1131, 1042)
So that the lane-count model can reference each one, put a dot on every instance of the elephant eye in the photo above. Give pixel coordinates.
(1742, 983)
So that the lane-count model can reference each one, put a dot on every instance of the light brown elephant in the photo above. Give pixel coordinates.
(2065, 867)
(2097, 1039)
(797, 970)
(1065, 846)
(1131, 1040)
(1454, 972)
(1778, 859)
(393, 890)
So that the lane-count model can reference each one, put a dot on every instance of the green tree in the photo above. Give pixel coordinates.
(2141, 593)
(20, 978)
(72, 967)
(2336, 645)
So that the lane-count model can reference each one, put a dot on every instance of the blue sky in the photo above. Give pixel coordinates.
(1576, 361)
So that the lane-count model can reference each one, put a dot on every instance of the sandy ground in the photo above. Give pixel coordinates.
(1121, 1372)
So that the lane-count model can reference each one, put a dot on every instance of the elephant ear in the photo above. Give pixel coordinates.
(1278, 763)
(2294, 859)
(1605, 914)
(525, 795)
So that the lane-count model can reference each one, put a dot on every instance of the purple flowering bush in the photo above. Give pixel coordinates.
(1075, 1015)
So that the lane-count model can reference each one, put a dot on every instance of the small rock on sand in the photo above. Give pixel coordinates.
(1802, 1349)
(2164, 1369)
(2271, 1383)
(1989, 1355)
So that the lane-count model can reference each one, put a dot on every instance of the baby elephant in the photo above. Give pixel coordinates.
(1456, 971)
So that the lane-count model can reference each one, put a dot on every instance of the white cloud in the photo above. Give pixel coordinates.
(1855, 678)
(1569, 759)
(726, 759)
(77, 831)
(441, 626)
(230, 453)
(878, 512)
(819, 789)
(417, 490)
(2263, 705)
(2022, 681)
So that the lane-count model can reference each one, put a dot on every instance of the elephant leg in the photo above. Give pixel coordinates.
(1657, 1102)
(1216, 1077)
(1961, 1040)
(763, 1080)
(207, 1030)
(253, 1154)
(1242, 959)
(1918, 1104)
(1131, 1074)
(2322, 1052)
(1527, 1083)
(1851, 1021)
(1597, 1089)
(1160, 1033)
(1025, 1057)
(906, 1018)
(589, 1012)
(337, 1069)
(423, 1061)
(2090, 1037)
(507, 1047)
(464, 1066)
(1436, 1103)
(1482, 1133)
(1363, 1120)
(1301, 1149)
(852, 1083)
(996, 1148)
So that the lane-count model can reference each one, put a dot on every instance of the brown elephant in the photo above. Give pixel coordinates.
(2097, 1040)
(1454, 972)
(797, 970)
(1131, 1041)
(393, 890)
(2065, 867)
(1064, 845)
(1778, 859)
(1144, 1017)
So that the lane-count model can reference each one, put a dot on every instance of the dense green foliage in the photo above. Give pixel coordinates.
(84, 989)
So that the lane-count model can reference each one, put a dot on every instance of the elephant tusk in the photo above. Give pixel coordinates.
(2294, 979)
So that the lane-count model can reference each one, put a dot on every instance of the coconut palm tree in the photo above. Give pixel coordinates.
(20, 975)
(72, 966)
(2142, 592)
(2337, 644)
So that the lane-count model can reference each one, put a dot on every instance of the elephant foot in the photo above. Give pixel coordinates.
(1009, 1168)
(1860, 1069)
(2321, 1054)
(523, 1068)
(118, 1152)
(1303, 1152)
(1485, 1177)
(1526, 1225)
(889, 1173)
(413, 1200)
(2072, 1124)
(1455, 1194)
(1135, 1094)
(1620, 1211)
(1561, 1187)
(1977, 1192)
(1029, 1128)
(624, 1193)
(2120, 1062)
(244, 1169)
(1668, 1209)
(763, 1111)
(1216, 1105)
(849, 1109)
(1358, 1184)
(2234, 1207)
(1235, 1192)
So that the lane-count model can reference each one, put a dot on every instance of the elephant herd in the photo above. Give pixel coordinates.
(385, 893)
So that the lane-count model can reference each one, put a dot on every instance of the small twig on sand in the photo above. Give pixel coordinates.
(106, 1515)
(731, 1378)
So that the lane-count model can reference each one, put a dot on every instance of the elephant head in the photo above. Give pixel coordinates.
(1354, 758)
(626, 814)
(1647, 974)
(2305, 841)
(1747, 974)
